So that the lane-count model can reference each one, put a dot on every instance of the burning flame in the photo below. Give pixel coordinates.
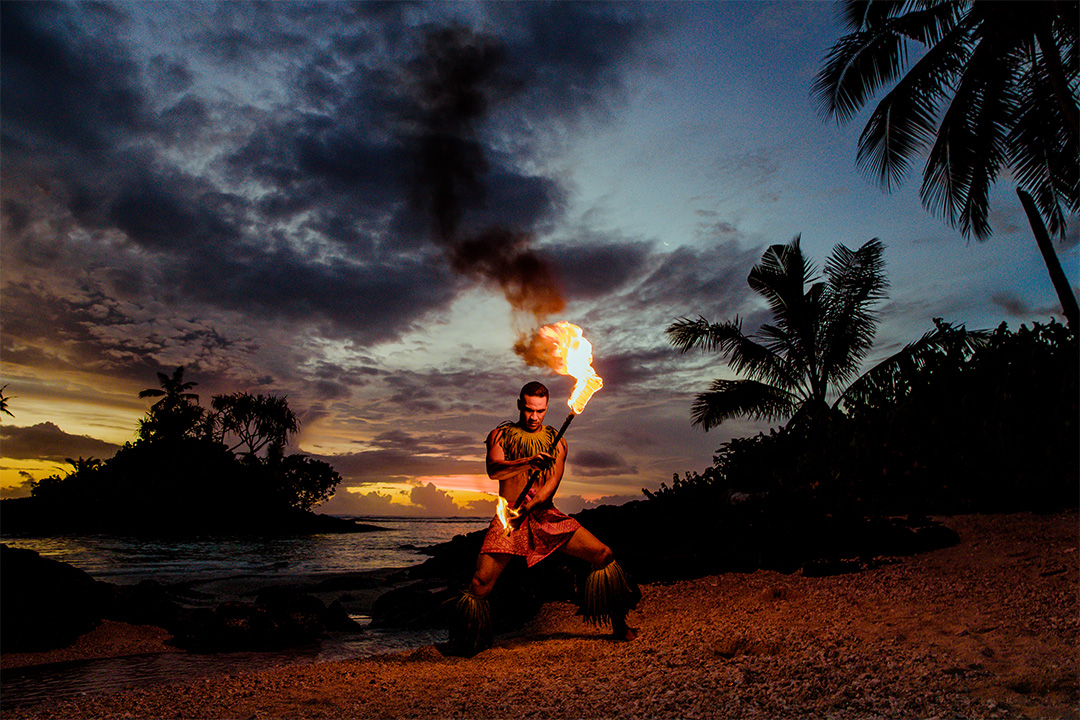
(505, 513)
(572, 355)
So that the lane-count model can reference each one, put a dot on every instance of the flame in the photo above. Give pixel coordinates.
(572, 355)
(505, 513)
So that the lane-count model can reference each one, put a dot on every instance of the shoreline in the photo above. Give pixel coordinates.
(987, 628)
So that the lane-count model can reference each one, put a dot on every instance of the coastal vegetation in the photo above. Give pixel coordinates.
(957, 421)
(189, 470)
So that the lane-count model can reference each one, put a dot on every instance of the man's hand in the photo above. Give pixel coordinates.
(542, 461)
(517, 520)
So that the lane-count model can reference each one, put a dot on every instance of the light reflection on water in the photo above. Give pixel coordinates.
(64, 681)
(126, 561)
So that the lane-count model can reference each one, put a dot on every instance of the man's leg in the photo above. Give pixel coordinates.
(489, 567)
(606, 580)
(470, 625)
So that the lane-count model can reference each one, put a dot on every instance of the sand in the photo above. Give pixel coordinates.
(987, 628)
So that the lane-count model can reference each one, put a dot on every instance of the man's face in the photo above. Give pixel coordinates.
(532, 411)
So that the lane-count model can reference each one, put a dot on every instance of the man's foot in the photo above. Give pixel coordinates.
(624, 633)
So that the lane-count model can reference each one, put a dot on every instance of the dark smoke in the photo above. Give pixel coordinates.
(455, 82)
(537, 351)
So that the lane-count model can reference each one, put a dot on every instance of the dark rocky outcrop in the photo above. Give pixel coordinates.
(277, 619)
(46, 604)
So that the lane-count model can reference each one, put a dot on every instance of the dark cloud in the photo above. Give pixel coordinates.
(170, 74)
(399, 465)
(593, 463)
(240, 194)
(46, 441)
(564, 76)
(715, 278)
(63, 86)
(330, 238)
(1011, 304)
(184, 121)
(598, 268)
(633, 369)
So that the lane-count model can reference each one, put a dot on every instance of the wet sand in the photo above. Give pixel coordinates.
(988, 628)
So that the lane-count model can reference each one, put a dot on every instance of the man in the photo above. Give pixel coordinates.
(514, 451)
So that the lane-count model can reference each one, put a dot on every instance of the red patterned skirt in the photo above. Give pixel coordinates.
(544, 531)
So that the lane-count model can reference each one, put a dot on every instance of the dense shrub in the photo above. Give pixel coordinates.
(992, 431)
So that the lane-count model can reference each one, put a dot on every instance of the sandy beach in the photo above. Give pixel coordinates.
(987, 628)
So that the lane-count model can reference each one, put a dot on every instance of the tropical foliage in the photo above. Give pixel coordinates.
(253, 422)
(811, 352)
(982, 87)
(4, 402)
(966, 427)
(180, 476)
(176, 414)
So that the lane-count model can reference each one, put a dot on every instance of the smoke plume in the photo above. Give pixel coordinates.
(454, 84)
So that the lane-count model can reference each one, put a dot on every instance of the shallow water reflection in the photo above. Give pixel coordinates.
(62, 681)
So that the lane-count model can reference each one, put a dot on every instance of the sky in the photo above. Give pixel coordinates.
(363, 207)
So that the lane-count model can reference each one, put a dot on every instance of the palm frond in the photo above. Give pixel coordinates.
(990, 122)
(856, 281)
(781, 278)
(905, 121)
(741, 398)
(875, 54)
(890, 376)
(762, 362)
(687, 334)
(1042, 150)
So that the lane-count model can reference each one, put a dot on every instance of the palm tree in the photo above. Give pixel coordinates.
(173, 390)
(4, 402)
(820, 333)
(993, 89)
(83, 465)
(176, 414)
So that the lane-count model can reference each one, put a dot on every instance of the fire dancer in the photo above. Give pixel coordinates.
(514, 450)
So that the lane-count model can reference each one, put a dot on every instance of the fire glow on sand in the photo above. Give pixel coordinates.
(564, 349)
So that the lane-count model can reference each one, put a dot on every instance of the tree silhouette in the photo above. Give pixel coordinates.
(994, 90)
(176, 414)
(4, 402)
(83, 464)
(821, 331)
(819, 335)
(256, 421)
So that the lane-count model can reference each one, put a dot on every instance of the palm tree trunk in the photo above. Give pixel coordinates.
(1057, 275)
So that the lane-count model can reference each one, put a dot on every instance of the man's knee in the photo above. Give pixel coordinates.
(481, 585)
(603, 556)
(487, 572)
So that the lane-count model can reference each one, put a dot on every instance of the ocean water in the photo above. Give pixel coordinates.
(127, 561)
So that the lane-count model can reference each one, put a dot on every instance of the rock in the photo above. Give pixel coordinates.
(46, 604)
(420, 604)
(148, 603)
(278, 618)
